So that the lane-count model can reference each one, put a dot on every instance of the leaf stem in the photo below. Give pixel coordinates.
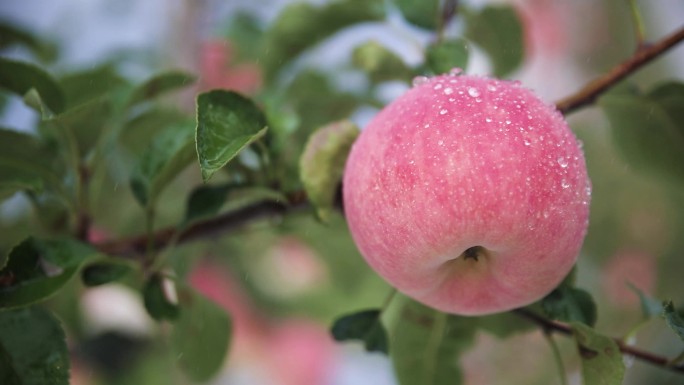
(639, 29)
(557, 356)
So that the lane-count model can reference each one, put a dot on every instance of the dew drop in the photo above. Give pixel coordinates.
(438, 86)
(448, 90)
(488, 119)
(527, 143)
(442, 111)
(472, 91)
(563, 162)
(478, 100)
(508, 121)
(546, 214)
(565, 184)
(490, 87)
(441, 143)
(455, 71)
(418, 80)
(427, 125)
(452, 100)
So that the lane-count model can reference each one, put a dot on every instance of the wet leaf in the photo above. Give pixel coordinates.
(227, 122)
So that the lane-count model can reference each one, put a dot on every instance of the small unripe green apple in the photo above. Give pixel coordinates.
(468, 194)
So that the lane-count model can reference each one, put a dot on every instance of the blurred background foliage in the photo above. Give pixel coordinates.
(305, 64)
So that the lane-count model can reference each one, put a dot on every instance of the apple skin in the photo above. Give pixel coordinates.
(468, 163)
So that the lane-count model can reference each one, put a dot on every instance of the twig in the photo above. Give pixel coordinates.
(135, 246)
(645, 54)
(561, 328)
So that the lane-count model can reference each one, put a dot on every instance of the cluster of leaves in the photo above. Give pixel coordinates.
(97, 130)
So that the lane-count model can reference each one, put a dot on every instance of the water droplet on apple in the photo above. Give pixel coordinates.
(563, 162)
(418, 80)
(508, 121)
(490, 87)
(527, 143)
(565, 184)
(448, 90)
(488, 119)
(442, 111)
(438, 86)
(472, 91)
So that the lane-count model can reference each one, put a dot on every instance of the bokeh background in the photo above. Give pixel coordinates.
(284, 281)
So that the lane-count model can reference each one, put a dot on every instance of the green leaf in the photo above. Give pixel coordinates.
(138, 132)
(14, 179)
(85, 122)
(426, 345)
(161, 84)
(601, 357)
(201, 337)
(364, 326)
(205, 201)
(444, 56)
(227, 122)
(673, 319)
(245, 32)
(497, 29)
(670, 97)
(83, 86)
(33, 349)
(322, 164)
(20, 77)
(646, 131)
(170, 152)
(569, 304)
(380, 63)
(302, 25)
(503, 325)
(649, 306)
(36, 269)
(15, 35)
(157, 301)
(104, 272)
(423, 13)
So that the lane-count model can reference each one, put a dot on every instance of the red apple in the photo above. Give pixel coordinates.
(469, 194)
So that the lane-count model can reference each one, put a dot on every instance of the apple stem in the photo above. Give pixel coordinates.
(474, 253)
